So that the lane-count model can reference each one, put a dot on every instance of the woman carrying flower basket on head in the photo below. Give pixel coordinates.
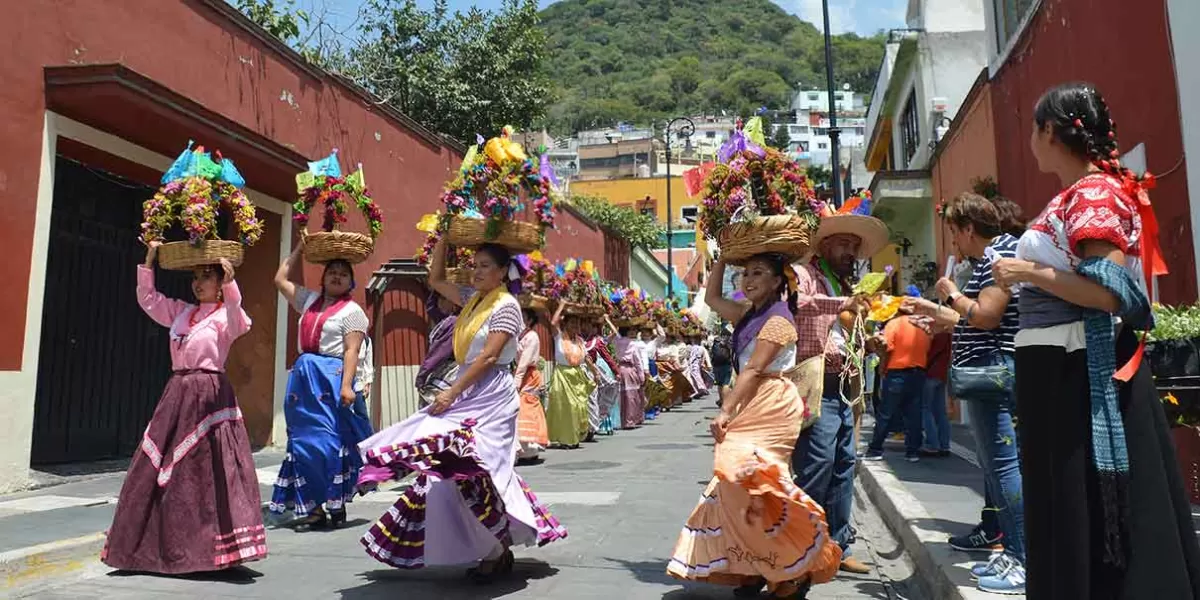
(1106, 514)
(607, 391)
(467, 504)
(534, 437)
(190, 501)
(631, 374)
(326, 415)
(324, 406)
(751, 510)
(191, 504)
(570, 387)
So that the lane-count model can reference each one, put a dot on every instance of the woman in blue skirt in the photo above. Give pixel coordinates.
(325, 411)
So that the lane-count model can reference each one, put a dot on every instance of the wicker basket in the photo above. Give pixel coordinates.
(788, 235)
(534, 301)
(634, 322)
(460, 276)
(184, 256)
(519, 237)
(324, 246)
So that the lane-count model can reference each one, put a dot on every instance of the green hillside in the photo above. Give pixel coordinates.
(639, 60)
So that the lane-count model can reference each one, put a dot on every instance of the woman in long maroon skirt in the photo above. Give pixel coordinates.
(190, 501)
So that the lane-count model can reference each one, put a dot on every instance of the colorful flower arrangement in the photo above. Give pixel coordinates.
(542, 279)
(755, 180)
(626, 304)
(324, 184)
(194, 190)
(496, 183)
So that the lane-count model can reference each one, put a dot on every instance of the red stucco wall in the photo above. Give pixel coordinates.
(197, 52)
(967, 153)
(1119, 46)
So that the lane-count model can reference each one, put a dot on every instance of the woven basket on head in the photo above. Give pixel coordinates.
(788, 235)
(324, 246)
(519, 237)
(184, 256)
(460, 276)
(633, 322)
(577, 310)
(534, 301)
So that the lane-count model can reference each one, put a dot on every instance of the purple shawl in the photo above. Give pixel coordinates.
(747, 329)
(441, 347)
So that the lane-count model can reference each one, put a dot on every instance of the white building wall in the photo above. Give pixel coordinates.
(1184, 17)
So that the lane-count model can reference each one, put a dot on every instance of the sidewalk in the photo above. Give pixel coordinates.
(57, 529)
(925, 503)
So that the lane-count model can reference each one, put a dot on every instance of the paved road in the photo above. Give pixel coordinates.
(623, 500)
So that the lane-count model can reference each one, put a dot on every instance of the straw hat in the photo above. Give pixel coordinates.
(854, 218)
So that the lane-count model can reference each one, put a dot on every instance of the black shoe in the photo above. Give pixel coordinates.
(976, 541)
(337, 518)
(750, 590)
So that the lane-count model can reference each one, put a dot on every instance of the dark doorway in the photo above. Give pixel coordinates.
(102, 363)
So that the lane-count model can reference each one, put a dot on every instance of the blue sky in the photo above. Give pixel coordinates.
(861, 16)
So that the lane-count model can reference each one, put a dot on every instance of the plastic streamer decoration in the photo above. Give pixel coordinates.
(323, 183)
(752, 180)
(494, 182)
(193, 191)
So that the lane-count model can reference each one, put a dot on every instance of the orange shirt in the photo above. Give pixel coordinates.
(907, 344)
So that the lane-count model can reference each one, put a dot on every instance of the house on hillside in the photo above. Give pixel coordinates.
(927, 71)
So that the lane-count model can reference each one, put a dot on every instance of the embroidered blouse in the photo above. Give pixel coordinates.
(527, 353)
(505, 318)
(200, 335)
(567, 353)
(627, 350)
(333, 333)
(1093, 208)
(779, 331)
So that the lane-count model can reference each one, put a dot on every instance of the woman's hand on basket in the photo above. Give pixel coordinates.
(443, 401)
(718, 427)
(152, 252)
(227, 267)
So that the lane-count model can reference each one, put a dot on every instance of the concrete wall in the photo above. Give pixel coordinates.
(936, 16)
(1135, 72)
(1184, 22)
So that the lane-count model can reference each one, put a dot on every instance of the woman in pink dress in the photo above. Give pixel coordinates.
(190, 501)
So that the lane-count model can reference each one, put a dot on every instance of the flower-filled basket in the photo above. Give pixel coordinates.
(324, 184)
(579, 290)
(201, 195)
(540, 283)
(629, 308)
(757, 200)
(496, 183)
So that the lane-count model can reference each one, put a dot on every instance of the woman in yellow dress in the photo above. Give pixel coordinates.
(570, 387)
(753, 526)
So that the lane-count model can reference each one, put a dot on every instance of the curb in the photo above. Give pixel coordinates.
(25, 568)
(936, 564)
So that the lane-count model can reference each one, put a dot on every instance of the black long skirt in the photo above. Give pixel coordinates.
(1063, 517)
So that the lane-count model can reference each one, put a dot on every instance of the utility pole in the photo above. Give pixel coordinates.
(834, 132)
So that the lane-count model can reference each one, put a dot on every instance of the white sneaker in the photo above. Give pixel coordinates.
(987, 567)
(1009, 579)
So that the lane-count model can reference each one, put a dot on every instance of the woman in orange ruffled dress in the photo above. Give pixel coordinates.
(532, 433)
(753, 526)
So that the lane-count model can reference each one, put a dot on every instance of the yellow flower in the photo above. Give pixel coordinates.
(536, 255)
(429, 223)
(1171, 398)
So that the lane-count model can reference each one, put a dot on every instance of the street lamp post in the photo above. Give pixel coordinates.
(685, 128)
(834, 132)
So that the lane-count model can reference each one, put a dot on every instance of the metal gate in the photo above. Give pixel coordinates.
(102, 362)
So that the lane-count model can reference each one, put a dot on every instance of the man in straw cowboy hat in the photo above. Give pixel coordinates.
(823, 461)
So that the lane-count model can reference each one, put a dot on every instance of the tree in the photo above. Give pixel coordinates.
(781, 139)
(283, 22)
(819, 175)
(638, 229)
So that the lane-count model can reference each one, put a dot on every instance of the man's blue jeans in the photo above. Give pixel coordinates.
(996, 445)
(937, 423)
(903, 394)
(823, 466)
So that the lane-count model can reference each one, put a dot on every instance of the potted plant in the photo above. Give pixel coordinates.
(1174, 355)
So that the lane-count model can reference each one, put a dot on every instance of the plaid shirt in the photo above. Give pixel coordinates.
(816, 316)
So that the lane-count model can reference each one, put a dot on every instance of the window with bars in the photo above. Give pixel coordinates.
(910, 129)
(1008, 16)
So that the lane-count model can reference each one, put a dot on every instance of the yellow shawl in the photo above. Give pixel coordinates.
(477, 311)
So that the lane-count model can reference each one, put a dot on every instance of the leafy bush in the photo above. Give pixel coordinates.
(639, 229)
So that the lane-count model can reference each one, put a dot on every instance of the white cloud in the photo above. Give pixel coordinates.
(841, 14)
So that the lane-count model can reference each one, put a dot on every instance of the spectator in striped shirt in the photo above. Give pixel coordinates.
(985, 320)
